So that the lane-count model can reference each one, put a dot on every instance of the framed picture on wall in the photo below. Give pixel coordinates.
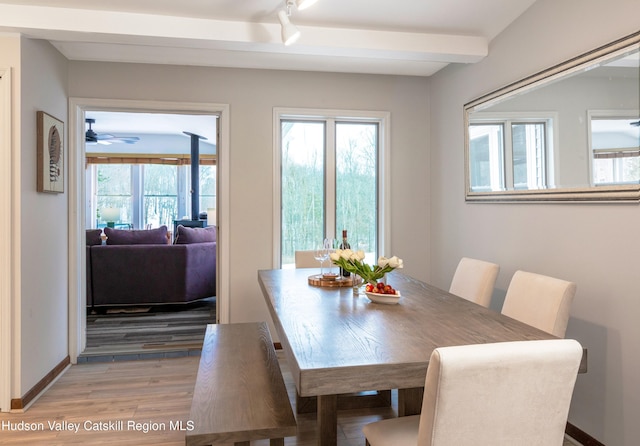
(50, 154)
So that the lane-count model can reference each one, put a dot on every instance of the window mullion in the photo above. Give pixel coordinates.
(183, 194)
(137, 192)
(91, 186)
(508, 156)
(330, 179)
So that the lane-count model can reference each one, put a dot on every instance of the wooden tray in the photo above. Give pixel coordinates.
(319, 280)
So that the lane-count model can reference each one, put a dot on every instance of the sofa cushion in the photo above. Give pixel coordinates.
(93, 237)
(156, 236)
(186, 236)
(152, 274)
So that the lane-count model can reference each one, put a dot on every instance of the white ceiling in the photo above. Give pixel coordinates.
(157, 132)
(405, 37)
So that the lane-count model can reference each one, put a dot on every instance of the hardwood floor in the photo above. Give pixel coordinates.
(146, 392)
(139, 391)
(147, 332)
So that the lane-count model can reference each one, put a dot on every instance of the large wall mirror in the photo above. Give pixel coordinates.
(569, 133)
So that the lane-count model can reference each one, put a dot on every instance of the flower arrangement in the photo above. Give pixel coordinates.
(353, 261)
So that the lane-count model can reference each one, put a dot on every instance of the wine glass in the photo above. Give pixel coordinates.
(331, 244)
(321, 254)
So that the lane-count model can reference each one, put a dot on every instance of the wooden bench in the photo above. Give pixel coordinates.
(239, 394)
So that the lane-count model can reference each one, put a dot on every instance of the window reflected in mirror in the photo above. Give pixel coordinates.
(615, 150)
(486, 149)
(510, 154)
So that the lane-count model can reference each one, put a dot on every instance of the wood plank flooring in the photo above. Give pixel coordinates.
(140, 391)
(145, 332)
(146, 392)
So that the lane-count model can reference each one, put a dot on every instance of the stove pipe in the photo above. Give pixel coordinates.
(195, 174)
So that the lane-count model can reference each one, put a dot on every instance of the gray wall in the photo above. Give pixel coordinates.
(42, 298)
(596, 246)
(252, 94)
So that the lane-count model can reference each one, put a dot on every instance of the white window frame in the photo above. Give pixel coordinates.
(300, 114)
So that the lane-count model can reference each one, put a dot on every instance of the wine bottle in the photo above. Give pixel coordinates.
(344, 245)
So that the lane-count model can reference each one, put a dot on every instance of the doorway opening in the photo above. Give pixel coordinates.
(143, 176)
(132, 171)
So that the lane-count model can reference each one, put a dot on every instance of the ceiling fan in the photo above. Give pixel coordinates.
(92, 137)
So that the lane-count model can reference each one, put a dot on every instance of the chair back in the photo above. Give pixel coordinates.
(474, 280)
(306, 259)
(540, 301)
(502, 394)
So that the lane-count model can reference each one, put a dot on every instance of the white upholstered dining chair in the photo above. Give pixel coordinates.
(501, 394)
(540, 301)
(306, 259)
(474, 280)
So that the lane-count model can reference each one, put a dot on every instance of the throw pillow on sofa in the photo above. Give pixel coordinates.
(94, 237)
(186, 236)
(156, 236)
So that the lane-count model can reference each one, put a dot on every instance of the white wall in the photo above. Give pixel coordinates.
(9, 375)
(595, 245)
(43, 221)
(252, 94)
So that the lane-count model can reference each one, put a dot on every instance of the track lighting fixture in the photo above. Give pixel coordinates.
(290, 32)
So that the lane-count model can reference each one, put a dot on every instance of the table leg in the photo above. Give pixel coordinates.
(327, 420)
(410, 401)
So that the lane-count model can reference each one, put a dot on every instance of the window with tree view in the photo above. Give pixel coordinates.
(113, 191)
(329, 182)
(160, 199)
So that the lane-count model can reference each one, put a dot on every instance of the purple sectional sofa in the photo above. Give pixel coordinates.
(140, 267)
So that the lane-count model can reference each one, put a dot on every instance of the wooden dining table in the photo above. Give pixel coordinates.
(336, 342)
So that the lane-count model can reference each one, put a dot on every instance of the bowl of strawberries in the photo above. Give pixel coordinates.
(382, 293)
